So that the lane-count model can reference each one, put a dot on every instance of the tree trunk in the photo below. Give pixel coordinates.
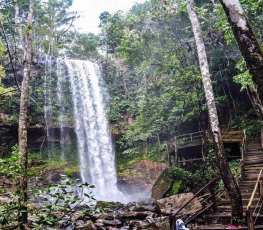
(22, 128)
(16, 13)
(17, 23)
(250, 49)
(227, 177)
(257, 105)
(246, 40)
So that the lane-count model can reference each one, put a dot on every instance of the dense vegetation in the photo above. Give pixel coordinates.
(153, 77)
(150, 67)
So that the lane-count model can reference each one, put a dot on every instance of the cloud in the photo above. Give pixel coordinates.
(90, 11)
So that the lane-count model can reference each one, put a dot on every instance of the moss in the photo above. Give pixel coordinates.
(108, 205)
(63, 167)
(71, 169)
(175, 187)
(124, 168)
(129, 172)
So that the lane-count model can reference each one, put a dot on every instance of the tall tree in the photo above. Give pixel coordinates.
(250, 50)
(18, 27)
(22, 122)
(227, 177)
(55, 21)
(246, 40)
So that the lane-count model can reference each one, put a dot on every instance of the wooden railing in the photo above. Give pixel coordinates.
(208, 185)
(196, 138)
(249, 209)
(243, 146)
(232, 135)
(243, 152)
(189, 139)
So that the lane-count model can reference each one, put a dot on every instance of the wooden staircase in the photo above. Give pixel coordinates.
(253, 163)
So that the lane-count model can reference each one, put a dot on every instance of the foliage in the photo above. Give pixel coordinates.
(186, 180)
(150, 69)
(9, 166)
(8, 210)
(235, 169)
(60, 202)
(244, 78)
(153, 80)
(2, 49)
(10, 172)
(83, 46)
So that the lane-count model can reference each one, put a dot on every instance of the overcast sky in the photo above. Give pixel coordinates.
(90, 11)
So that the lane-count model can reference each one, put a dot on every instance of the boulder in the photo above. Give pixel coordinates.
(106, 216)
(87, 226)
(162, 184)
(160, 223)
(148, 205)
(135, 215)
(172, 204)
(115, 223)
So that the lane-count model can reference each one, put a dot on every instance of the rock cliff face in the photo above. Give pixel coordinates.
(36, 136)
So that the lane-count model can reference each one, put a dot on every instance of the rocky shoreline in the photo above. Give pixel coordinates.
(150, 214)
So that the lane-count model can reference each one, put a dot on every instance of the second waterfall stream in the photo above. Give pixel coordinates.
(79, 94)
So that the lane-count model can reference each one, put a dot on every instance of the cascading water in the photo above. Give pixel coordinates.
(82, 81)
(48, 103)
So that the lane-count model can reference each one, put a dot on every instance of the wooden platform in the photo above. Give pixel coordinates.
(198, 138)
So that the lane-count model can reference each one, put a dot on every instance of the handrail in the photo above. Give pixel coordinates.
(243, 147)
(207, 207)
(214, 199)
(201, 190)
(243, 152)
(188, 134)
(249, 211)
(254, 191)
(227, 135)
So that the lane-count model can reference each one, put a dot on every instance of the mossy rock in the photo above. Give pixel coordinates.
(174, 189)
(162, 185)
(169, 183)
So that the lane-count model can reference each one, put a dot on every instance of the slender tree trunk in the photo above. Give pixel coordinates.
(16, 13)
(17, 23)
(258, 106)
(228, 179)
(250, 50)
(246, 40)
(22, 128)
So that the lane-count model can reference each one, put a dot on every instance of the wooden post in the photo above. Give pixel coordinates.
(243, 150)
(159, 146)
(168, 155)
(261, 188)
(242, 168)
(236, 176)
(250, 219)
(212, 192)
(175, 153)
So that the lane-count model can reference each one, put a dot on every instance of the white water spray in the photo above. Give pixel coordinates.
(95, 150)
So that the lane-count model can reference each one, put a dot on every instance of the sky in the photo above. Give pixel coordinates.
(90, 10)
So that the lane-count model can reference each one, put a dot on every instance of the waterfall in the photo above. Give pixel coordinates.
(48, 104)
(80, 82)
